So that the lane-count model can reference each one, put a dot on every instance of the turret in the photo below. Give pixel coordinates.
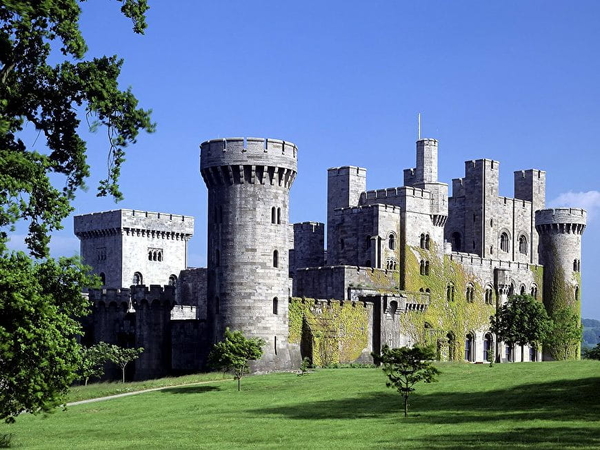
(248, 181)
(560, 232)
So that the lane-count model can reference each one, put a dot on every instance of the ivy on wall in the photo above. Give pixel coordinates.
(457, 317)
(331, 331)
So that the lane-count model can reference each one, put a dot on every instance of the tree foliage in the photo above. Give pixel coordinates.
(39, 354)
(592, 353)
(46, 85)
(92, 361)
(233, 353)
(49, 97)
(123, 356)
(406, 367)
(521, 320)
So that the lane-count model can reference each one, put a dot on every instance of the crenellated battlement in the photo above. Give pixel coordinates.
(132, 222)
(378, 206)
(561, 220)
(309, 227)
(136, 295)
(382, 194)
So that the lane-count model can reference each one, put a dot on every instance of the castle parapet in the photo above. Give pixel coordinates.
(561, 220)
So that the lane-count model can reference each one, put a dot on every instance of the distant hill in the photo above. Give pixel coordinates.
(591, 332)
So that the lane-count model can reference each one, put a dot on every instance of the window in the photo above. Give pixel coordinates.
(102, 278)
(576, 292)
(275, 305)
(172, 280)
(534, 291)
(427, 240)
(101, 254)
(487, 346)
(424, 242)
(450, 293)
(532, 354)
(273, 215)
(393, 307)
(470, 294)
(509, 352)
(469, 347)
(275, 258)
(504, 242)
(489, 295)
(155, 254)
(576, 265)
(138, 279)
(523, 244)
(392, 242)
(522, 290)
(279, 215)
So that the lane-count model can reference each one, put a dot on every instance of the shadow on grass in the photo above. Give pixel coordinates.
(558, 438)
(561, 402)
(190, 389)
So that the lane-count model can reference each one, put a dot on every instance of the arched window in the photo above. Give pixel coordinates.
(456, 242)
(275, 258)
(102, 278)
(160, 255)
(469, 347)
(138, 279)
(422, 268)
(273, 215)
(487, 347)
(154, 255)
(172, 280)
(393, 307)
(278, 215)
(576, 292)
(450, 292)
(392, 241)
(504, 242)
(368, 263)
(522, 290)
(534, 291)
(489, 295)
(426, 267)
(470, 294)
(427, 240)
(523, 244)
(150, 256)
(275, 305)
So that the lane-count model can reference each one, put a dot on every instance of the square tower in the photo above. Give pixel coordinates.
(128, 247)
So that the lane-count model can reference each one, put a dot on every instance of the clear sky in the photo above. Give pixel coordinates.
(513, 81)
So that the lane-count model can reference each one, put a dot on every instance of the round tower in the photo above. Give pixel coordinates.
(248, 181)
(560, 232)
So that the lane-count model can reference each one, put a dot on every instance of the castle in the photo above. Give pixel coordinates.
(400, 265)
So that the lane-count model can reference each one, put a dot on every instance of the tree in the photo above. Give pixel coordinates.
(39, 355)
(233, 353)
(41, 298)
(93, 359)
(406, 367)
(592, 353)
(123, 356)
(521, 320)
(564, 338)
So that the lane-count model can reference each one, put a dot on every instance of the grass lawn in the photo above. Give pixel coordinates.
(520, 405)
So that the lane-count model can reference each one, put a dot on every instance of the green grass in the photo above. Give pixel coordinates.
(539, 406)
(95, 390)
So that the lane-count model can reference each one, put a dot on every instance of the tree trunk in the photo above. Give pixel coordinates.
(239, 384)
(405, 405)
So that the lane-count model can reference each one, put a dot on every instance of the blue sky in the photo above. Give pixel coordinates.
(512, 81)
